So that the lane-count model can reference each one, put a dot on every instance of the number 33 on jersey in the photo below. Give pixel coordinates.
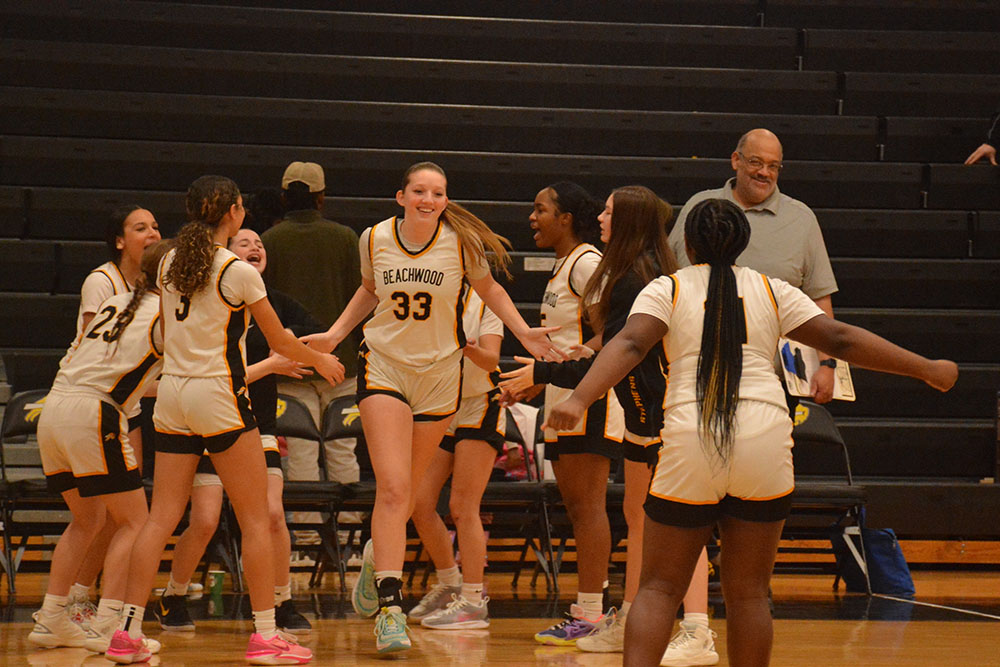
(418, 319)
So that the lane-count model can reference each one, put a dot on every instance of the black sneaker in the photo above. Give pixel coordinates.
(288, 619)
(171, 611)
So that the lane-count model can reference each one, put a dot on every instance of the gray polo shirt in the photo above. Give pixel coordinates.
(785, 241)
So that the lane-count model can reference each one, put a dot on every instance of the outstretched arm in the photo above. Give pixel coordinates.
(284, 343)
(612, 363)
(361, 304)
(535, 340)
(867, 350)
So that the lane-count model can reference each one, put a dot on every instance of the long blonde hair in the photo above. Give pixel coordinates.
(478, 241)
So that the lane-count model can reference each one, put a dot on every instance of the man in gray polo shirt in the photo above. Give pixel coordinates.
(785, 239)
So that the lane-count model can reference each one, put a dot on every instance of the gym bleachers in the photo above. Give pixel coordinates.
(877, 103)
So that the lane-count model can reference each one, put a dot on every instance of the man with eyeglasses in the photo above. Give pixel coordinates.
(785, 238)
(786, 243)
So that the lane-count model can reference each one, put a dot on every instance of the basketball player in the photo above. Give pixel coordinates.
(87, 456)
(129, 231)
(467, 454)
(727, 454)
(207, 296)
(409, 377)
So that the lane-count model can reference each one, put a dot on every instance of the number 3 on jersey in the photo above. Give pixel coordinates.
(421, 305)
(184, 310)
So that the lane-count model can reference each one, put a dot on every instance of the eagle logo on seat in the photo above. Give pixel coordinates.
(280, 408)
(34, 410)
(350, 415)
(801, 414)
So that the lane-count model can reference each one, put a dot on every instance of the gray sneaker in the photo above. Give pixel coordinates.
(692, 646)
(607, 637)
(437, 598)
(460, 614)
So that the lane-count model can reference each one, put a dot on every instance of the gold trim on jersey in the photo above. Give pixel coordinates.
(121, 275)
(218, 284)
(767, 286)
(682, 501)
(430, 244)
(569, 278)
(765, 499)
(152, 336)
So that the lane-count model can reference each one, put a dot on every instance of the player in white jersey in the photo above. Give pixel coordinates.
(409, 379)
(87, 456)
(726, 456)
(466, 454)
(634, 228)
(565, 219)
(129, 231)
(207, 297)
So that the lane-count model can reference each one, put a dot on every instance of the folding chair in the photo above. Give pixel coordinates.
(820, 494)
(295, 421)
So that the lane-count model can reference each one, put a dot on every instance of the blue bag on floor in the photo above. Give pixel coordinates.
(887, 569)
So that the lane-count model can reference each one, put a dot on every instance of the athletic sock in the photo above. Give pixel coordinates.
(591, 603)
(282, 593)
(698, 619)
(264, 624)
(107, 608)
(450, 576)
(390, 589)
(79, 593)
(626, 605)
(473, 592)
(53, 605)
(174, 588)
(132, 620)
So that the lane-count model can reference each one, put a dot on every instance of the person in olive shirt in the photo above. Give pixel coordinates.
(315, 261)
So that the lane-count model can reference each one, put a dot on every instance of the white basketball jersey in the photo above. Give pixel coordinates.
(562, 304)
(771, 309)
(418, 319)
(120, 368)
(101, 284)
(477, 320)
(204, 335)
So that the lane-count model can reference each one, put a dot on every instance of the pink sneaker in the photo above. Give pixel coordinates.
(125, 650)
(281, 650)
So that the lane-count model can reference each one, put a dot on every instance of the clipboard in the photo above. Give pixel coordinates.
(799, 362)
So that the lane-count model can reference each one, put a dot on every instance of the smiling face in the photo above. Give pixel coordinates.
(757, 164)
(139, 231)
(425, 196)
(247, 246)
(605, 219)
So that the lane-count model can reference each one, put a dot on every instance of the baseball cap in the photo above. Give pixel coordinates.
(309, 173)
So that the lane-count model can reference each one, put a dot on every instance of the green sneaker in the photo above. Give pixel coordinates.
(390, 631)
(364, 595)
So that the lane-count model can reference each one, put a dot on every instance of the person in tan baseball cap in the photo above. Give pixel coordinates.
(309, 173)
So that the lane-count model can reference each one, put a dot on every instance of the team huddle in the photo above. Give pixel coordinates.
(670, 369)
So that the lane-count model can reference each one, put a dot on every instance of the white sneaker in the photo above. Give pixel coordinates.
(101, 631)
(607, 637)
(82, 612)
(52, 632)
(692, 646)
(460, 614)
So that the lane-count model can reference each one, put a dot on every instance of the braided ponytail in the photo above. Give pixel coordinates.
(146, 281)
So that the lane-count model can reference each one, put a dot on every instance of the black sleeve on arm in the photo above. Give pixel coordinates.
(566, 374)
(293, 314)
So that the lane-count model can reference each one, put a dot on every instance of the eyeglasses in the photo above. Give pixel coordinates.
(757, 164)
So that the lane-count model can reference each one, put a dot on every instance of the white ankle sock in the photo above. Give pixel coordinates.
(697, 619)
(472, 592)
(174, 588)
(79, 593)
(450, 576)
(264, 623)
(591, 603)
(107, 608)
(282, 593)
(54, 605)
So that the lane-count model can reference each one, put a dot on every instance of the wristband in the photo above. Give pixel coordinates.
(829, 363)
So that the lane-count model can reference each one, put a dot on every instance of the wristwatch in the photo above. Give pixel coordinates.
(829, 363)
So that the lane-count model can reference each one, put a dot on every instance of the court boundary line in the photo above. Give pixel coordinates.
(937, 606)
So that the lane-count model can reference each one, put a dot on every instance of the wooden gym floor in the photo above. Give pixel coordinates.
(954, 622)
